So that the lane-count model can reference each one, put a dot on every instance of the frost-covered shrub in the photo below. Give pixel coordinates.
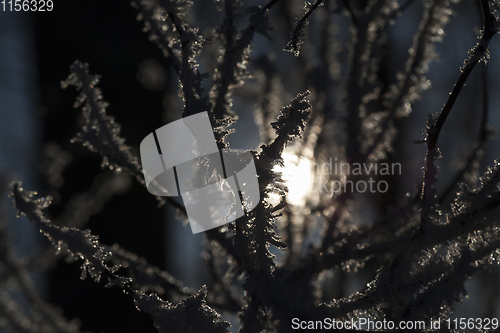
(417, 256)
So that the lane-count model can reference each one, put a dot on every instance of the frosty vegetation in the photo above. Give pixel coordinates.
(419, 255)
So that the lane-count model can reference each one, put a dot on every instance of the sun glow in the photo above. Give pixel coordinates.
(298, 177)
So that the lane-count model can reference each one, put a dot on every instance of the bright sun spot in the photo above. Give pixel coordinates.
(298, 177)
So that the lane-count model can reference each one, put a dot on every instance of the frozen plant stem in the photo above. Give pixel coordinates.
(435, 126)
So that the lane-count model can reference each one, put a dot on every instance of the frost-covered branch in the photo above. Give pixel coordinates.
(100, 133)
(435, 124)
(85, 246)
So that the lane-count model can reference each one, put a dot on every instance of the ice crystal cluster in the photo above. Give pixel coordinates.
(283, 261)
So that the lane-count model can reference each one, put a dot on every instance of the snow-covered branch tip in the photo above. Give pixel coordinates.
(100, 133)
(289, 125)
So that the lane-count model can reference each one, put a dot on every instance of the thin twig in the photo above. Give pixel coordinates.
(478, 52)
